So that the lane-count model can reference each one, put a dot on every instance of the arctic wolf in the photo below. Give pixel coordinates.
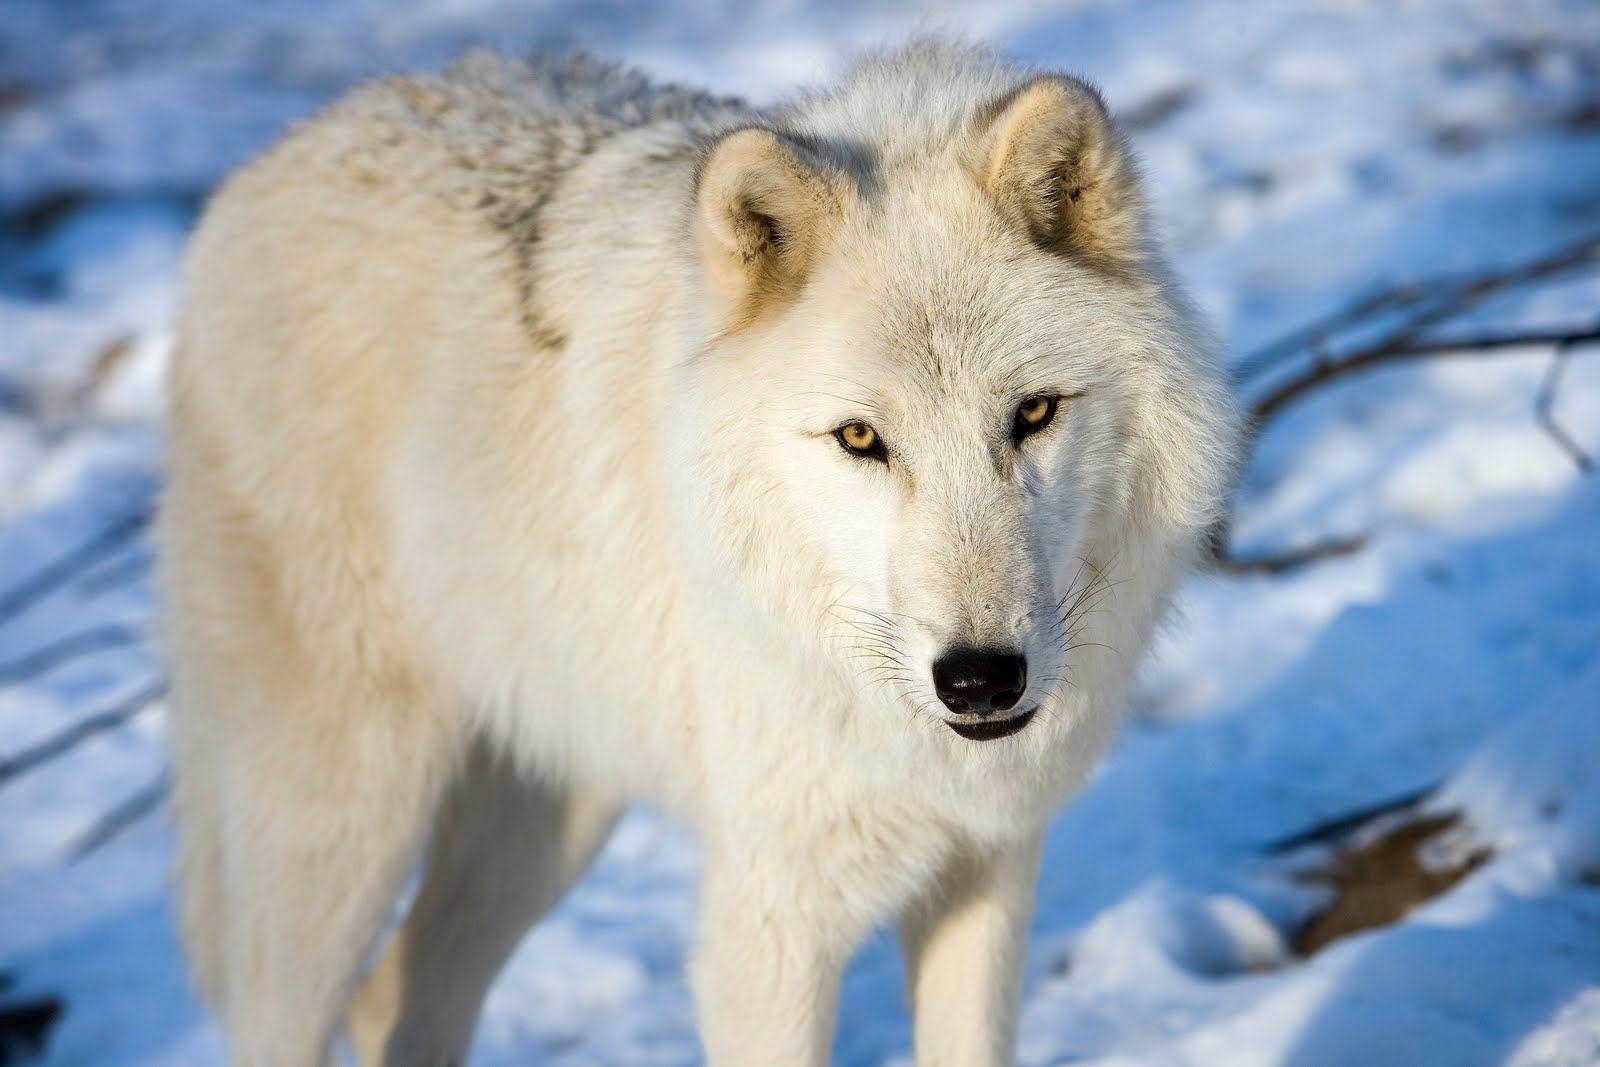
(543, 439)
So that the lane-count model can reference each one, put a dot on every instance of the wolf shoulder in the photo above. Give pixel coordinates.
(494, 200)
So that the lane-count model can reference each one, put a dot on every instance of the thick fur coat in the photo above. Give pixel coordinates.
(543, 439)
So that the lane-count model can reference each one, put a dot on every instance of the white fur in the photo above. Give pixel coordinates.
(503, 492)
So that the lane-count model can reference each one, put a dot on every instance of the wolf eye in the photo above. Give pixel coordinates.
(859, 439)
(1033, 415)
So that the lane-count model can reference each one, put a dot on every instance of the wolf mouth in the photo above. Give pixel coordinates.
(992, 731)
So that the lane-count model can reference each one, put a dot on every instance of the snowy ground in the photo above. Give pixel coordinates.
(1300, 155)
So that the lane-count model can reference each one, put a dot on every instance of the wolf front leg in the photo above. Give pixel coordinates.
(766, 967)
(964, 944)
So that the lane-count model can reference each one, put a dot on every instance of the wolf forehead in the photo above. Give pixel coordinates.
(925, 287)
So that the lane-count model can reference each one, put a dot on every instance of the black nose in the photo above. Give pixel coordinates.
(980, 680)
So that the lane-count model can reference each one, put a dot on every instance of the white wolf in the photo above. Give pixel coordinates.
(543, 439)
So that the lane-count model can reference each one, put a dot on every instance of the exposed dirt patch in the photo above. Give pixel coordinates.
(1381, 876)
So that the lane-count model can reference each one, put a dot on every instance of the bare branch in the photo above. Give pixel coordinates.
(113, 823)
(1400, 348)
(64, 649)
(70, 738)
(1339, 826)
(1316, 336)
(1292, 559)
(1393, 350)
(1544, 408)
(116, 574)
(53, 576)
(1441, 298)
(1426, 305)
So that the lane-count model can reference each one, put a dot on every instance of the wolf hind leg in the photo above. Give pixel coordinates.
(325, 806)
(505, 849)
(199, 878)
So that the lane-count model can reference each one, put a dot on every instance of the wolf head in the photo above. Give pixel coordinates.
(950, 412)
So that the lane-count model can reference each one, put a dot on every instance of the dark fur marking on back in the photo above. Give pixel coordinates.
(508, 132)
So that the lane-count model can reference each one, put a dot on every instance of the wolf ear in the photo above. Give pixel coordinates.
(1055, 165)
(762, 211)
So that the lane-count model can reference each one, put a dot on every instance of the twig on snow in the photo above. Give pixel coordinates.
(53, 576)
(1338, 826)
(1400, 348)
(71, 737)
(113, 823)
(117, 573)
(1429, 305)
(1545, 403)
(1291, 559)
(1440, 300)
(64, 649)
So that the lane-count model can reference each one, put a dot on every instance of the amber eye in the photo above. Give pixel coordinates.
(1033, 415)
(862, 440)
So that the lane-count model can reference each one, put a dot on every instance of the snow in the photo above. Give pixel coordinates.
(1299, 156)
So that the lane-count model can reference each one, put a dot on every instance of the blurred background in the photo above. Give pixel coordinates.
(1355, 815)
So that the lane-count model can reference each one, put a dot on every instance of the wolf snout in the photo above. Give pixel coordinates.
(980, 681)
